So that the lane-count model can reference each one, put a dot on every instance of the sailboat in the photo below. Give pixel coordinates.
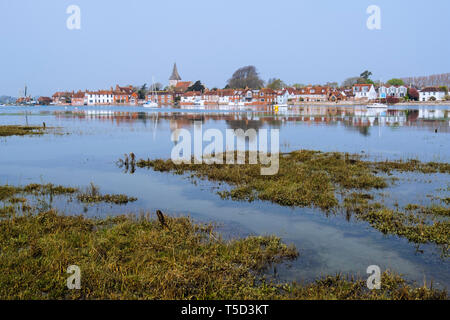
(152, 103)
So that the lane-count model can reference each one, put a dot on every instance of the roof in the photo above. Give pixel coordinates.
(79, 94)
(175, 75)
(432, 89)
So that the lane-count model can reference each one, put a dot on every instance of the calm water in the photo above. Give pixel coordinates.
(98, 136)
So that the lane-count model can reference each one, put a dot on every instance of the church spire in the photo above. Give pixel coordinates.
(175, 76)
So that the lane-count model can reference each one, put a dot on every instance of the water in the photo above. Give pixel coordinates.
(98, 136)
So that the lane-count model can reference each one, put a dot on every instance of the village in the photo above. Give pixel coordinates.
(189, 93)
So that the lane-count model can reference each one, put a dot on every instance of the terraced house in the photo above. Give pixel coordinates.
(314, 93)
(163, 98)
(385, 91)
(100, 97)
(259, 96)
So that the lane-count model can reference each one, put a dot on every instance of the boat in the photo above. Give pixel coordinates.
(2, 105)
(152, 103)
(377, 106)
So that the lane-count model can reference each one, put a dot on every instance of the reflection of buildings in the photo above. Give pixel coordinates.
(358, 117)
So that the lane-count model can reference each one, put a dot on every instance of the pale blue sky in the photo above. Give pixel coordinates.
(128, 42)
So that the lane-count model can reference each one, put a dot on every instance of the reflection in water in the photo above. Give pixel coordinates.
(360, 117)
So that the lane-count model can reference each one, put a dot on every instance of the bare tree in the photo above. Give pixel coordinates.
(246, 77)
(434, 80)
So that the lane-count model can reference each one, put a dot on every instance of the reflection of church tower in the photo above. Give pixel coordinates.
(175, 77)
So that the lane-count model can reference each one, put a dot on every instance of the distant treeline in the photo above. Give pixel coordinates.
(7, 99)
(435, 80)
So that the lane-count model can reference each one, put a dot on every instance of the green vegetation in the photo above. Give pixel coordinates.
(15, 194)
(418, 224)
(396, 82)
(276, 84)
(92, 195)
(137, 258)
(197, 86)
(305, 178)
(312, 178)
(16, 130)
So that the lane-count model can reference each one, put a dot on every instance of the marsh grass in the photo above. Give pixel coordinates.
(137, 258)
(418, 224)
(93, 195)
(305, 178)
(13, 195)
(16, 130)
(313, 179)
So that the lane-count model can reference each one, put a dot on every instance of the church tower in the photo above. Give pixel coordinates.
(175, 77)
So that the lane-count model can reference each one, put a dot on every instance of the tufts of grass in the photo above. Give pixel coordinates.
(93, 195)
(416, 223)
(138, 258)
(14, 194)
(413, 166)
(305, 178)
(393, 287)
(16, 130)
(126, 258)
(312, 178)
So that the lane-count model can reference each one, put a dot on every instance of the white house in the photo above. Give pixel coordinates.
(100, 97)
(365, 91)
(426, 93)
(392, 91)
(191, 97)
(287, 95)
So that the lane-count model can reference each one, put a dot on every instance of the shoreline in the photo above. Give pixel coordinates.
(298, 104)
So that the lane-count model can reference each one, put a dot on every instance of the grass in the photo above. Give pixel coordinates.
(16, 130)
(15, 194)
(305, 178)
(314, 179)
(93, 195)
(137, 258)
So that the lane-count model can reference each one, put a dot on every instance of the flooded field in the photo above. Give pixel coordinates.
(90, 140)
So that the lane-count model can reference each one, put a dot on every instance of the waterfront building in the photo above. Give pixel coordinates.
(100, 97)
(364, 92)
(79, 99)
(163, 98)
(385, 91)
(432, 93)
(314, 94)
(287, 96)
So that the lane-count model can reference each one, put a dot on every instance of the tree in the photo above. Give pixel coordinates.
(413, 94)
(142, 91)
(349, 82)
(157, 86)
(332, 84)
(197, 86)
(396, 82)
(298, 85)
(445, 88)
(366, 74)
(275, 84)
(246, 77)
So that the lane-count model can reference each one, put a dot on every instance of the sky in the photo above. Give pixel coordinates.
(129, 42)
